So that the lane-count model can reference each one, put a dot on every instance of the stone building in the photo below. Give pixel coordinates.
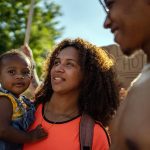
(127, 67)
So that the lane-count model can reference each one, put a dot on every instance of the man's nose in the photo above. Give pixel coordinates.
(107, 22)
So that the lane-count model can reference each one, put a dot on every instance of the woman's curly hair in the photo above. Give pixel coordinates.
(99, 93)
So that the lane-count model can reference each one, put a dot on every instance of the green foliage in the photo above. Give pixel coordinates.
(44, 31)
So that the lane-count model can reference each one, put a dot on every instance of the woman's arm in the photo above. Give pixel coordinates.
(11, 134)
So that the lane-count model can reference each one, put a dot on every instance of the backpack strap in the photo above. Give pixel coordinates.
(86, 132)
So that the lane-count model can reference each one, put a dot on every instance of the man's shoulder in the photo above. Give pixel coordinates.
(142, 81)
(139, 91)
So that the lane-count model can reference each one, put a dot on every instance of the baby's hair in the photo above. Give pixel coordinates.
(14, 52)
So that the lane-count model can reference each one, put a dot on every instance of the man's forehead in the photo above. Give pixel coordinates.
(106, 1)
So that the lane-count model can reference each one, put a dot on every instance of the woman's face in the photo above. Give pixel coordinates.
(66, 74)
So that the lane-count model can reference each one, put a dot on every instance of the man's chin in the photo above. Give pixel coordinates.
(128, 51)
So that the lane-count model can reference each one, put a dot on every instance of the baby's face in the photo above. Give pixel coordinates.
(15, 74)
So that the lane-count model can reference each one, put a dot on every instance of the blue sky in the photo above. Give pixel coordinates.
(84, 18)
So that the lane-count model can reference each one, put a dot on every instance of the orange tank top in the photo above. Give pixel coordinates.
(64, 135)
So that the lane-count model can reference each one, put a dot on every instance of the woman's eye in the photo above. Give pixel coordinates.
(56, 63)
(70, 64)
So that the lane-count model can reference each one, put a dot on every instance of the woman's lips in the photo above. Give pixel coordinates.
(58, 79)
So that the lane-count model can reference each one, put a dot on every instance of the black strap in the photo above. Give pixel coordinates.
(86, 132)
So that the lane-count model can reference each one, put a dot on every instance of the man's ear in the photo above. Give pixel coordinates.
(0, 78)
(148, 2)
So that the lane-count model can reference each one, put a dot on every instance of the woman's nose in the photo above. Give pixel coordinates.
(59, 68)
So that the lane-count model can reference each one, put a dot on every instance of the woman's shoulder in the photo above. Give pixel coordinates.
(101, 133)
(39, 110)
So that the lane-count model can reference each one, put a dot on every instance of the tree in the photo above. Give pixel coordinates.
(44, 31)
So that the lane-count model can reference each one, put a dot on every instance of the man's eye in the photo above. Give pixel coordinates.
(110, 4)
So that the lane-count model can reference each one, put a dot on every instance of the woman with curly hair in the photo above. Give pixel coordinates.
(78, 79)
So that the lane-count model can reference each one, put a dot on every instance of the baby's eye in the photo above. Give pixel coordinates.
(11, 72)
(26, 73)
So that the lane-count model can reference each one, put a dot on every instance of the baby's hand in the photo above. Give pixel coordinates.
(38, 133)
(28, 52)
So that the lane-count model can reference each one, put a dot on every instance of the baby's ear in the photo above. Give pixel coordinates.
(31, 77)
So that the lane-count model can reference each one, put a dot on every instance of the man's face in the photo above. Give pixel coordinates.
(129, 21)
